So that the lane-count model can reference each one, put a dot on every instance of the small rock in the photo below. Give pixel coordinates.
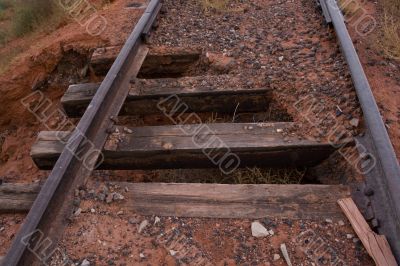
(288, 222)
(329, 221)
(127, 130)
(92, 210)
(133, 220)
(280, 58)
(142, 256)
(285, 254)
(125, 251)
(142, 226)
(356, 240)
(101, 196)
(157, 220)
(349, 236)
(76, 202)
(109, 198)
(85, 262)
(276, 257)
(220, 62)
(172, 252)
(354, 122)
(258, 230)
(78, 211)
(2, 229)
(271, 232)
(117, 196)
(167, 146)
(341, 223)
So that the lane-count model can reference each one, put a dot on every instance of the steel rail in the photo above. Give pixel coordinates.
(44, 224)
(383, 182)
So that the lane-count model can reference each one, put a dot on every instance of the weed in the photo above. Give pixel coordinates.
(215, 4)
(31, 14)
(268, 176)
(240, 176)
(390, 41)
(348, 7)
(214, 118)
(392, 7)
(219, 5)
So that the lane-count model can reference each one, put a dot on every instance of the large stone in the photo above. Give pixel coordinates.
(85, 262)
(258, 230)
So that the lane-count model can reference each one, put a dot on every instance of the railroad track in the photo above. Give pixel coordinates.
(98, 142)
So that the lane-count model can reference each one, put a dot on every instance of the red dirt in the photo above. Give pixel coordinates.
(382, 73)
(40, 65)
(105, 237)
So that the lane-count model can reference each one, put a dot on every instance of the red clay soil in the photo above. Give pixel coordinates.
(383, 73)
(106, 236)
(51, 64)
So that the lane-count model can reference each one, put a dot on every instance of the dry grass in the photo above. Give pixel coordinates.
(390, 41)
(214, 118)
(220, 5)
(33, 15)
(25, 17)
(240, 176)
(349, 7)
(392, 7)
(214, 4)
(6, 59)
(268, 176)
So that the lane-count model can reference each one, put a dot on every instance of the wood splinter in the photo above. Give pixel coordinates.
(376, 245)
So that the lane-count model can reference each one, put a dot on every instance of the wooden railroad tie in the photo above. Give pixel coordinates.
(209, 200)
(170, 147)
(144, 95)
